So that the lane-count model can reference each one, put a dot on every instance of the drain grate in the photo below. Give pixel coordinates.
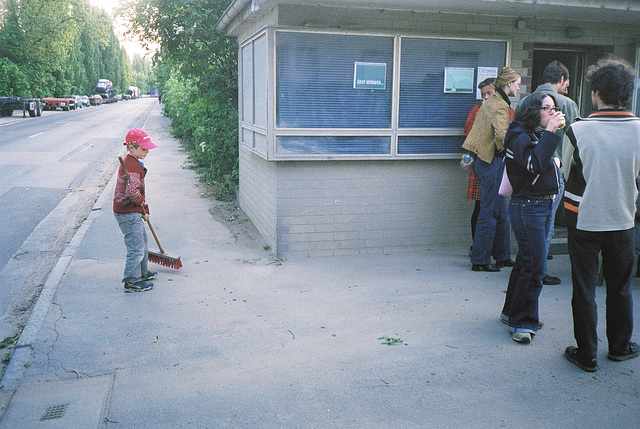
(75, 403)
(54, 412)
(559, 249)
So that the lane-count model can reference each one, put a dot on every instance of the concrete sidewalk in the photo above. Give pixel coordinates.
(238, 339)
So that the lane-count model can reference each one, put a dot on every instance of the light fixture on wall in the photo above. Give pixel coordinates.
(574, 32)
(521, 24)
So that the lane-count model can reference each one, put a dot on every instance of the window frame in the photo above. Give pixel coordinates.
(250, 132)
(273, 131)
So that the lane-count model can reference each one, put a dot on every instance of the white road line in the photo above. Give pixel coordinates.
(36, 135)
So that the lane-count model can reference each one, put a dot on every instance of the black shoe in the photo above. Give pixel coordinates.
(632, 351)
(149, 276)
(571, 353)
(549, 256)
(139, 286)
(505, 263)
(551, 280)
(484, 267)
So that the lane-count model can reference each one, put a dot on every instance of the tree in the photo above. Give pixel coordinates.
(196, 72)
(186, 33)
(36, 36)
(142, 75)
(12, 80)
(59, 47)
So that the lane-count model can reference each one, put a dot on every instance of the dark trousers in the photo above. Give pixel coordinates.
(474, 218)
(617, 265)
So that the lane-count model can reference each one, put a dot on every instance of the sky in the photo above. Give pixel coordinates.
(131, 47)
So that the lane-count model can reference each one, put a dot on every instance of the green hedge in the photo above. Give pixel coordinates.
(207, 125)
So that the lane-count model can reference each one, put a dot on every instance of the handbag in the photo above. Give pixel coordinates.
(505, 189)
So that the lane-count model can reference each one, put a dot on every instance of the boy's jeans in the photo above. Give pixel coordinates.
(135, 239)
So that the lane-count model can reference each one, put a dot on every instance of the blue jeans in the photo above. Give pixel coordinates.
(492, 229)
(135, 240)
(554, 209)
(530, 219)
(617, 265)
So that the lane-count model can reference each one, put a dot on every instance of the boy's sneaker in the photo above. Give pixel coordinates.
(149, 276)
(139, 286)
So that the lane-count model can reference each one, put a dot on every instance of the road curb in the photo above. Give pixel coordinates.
(23, 351)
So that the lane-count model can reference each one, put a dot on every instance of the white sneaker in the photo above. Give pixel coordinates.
(522, 337)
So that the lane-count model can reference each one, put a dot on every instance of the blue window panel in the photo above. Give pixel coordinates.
(423, 103)
(415, 145)
(315, 81)
(330, 145)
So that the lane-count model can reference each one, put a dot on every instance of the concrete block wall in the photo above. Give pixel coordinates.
(350, 207)
(257, 192)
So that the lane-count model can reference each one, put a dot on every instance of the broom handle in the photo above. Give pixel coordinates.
(144, 212)
(153, 231)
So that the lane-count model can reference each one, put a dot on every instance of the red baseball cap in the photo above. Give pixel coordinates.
(139, 137)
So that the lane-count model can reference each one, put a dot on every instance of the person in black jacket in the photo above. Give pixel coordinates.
(530, 142)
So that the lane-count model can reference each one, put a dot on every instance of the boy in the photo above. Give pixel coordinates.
(128, 200)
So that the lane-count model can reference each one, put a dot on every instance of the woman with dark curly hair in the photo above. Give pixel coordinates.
(530, 142)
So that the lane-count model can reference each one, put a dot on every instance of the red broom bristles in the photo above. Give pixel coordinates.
(165, 260)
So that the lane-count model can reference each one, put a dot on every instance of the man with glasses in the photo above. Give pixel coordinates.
(600, 208)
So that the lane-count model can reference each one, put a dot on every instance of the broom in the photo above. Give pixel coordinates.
(156, 258)
(161, 258)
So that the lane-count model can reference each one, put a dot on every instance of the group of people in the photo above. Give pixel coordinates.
(537, 147)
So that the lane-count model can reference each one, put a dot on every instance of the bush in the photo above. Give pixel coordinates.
(207, 126)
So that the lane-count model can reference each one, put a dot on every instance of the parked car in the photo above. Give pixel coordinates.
(119, 97)
(84, 100)
(65, 103)
(95, 100)
(76, 98)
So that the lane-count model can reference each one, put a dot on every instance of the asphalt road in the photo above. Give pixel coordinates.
(52, 169)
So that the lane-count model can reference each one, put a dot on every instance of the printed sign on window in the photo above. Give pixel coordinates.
(458, 80)
(369, 75)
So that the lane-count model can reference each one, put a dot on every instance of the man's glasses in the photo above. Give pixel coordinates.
(551, 108)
